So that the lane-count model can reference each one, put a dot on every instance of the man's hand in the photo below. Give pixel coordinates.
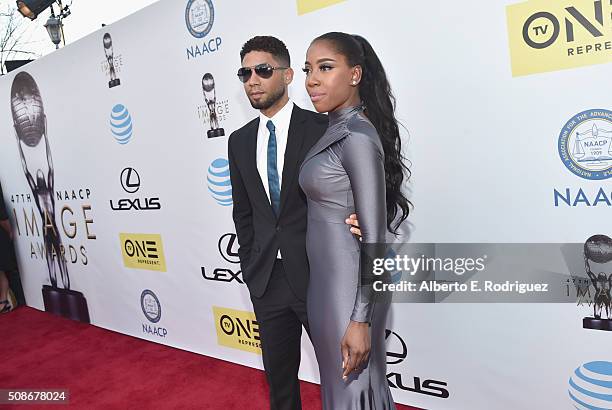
(354, 223)
(355, 347)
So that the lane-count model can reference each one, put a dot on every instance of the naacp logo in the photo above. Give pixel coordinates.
(130, 180)
(150, 306)
(585, 144)
(199, 16)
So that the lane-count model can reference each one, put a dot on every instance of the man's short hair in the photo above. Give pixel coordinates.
(267, 44)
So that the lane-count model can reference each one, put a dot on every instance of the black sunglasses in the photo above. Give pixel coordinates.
(262, 70)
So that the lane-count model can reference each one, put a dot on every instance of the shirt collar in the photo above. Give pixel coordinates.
(281, 119)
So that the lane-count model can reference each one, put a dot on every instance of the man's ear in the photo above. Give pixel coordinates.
(288, 76)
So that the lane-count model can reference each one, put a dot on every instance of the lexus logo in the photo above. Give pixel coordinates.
(397, 350)
(228, 248)
(130, 180)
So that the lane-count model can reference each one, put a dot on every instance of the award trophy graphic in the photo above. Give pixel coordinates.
(598, 249)
(108, 50)
(208, 88)
(30, 123)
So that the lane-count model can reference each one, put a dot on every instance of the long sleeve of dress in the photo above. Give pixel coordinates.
(363, 160)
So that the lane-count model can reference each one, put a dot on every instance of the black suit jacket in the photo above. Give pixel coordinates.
(260, 233)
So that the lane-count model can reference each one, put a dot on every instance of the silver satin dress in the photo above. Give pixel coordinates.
(344, 173)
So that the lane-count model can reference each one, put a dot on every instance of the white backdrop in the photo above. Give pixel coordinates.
(484, 150)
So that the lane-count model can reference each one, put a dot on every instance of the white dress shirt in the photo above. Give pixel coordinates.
(281, 122)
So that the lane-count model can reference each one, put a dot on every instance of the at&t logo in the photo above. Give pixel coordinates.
(219, 184)
(121, 124)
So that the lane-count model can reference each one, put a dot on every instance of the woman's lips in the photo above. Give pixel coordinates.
(315, 97)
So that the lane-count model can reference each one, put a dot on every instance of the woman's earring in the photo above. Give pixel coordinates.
(354, 82)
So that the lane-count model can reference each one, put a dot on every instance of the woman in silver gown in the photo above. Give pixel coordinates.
(356, 167)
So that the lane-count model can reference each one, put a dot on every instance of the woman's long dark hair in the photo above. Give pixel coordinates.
(375, 92)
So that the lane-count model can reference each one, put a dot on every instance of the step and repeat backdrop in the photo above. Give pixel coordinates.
(114, 168)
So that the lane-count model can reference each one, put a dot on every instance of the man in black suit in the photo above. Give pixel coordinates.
(270, 210)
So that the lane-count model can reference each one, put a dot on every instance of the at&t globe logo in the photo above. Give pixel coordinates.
(121, 124)
(219, 184)
(590, 387)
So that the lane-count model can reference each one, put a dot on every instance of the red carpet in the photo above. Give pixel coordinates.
(108, 370)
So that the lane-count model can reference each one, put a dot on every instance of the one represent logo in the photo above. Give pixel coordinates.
(585, 144)
(237, 329)
(112, 64)
(590, 387)
(199, 18)
(228, 249)
(397, 351)
(152, 310)
(554, 35)
(121, 124)
(307, 6)
(143, 251)
(130, 182)
(219, 183)
(150, 306)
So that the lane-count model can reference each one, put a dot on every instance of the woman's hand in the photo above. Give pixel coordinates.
(353, 222)
(355, 347)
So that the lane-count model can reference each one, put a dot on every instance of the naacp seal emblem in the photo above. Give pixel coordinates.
(585, 144)
(150, 306)
(199, 17)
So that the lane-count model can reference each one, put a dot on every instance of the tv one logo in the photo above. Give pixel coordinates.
(307, 6)
(237, 329)
(555, 35)
(143, 251)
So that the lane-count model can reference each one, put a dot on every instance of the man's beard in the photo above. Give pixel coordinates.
(264, 104)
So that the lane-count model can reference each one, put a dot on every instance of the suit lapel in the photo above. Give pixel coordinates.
(295, 142)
